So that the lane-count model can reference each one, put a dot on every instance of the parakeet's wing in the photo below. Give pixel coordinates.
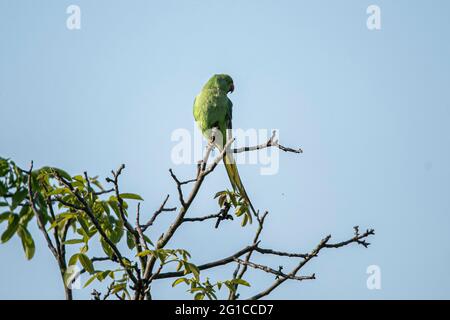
(213, 109)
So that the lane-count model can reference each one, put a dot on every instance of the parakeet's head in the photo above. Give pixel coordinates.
(223, 82)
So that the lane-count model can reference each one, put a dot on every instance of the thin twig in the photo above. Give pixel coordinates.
(162, 208)
(139, 229)
(280, 253)
(272, 142)
(222, 215)
(273, 271)
(180, 192)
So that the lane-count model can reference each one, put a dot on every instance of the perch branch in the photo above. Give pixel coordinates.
(272, 142)
(273, 271)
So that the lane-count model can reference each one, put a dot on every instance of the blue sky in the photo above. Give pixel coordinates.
(369, 108)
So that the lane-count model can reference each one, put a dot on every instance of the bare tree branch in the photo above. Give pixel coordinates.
(238, 274)
(222, 215)
(99, 193)
(161, 209)
(314, 253)
(142, 240)
(180, 192)
(209, 265)
(280, 253)
(273, 271)
(358, 238)
(115, 182)
(272, 142)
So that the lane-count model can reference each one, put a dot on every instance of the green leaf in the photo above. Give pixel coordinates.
(179, 280)
(86, 262)
(79, 178)
(95, 182)
(144, 253)
(4, 167)
(26, 214)
(106, 248)
(4, 216)
(83, 224)
(50, 171)
(27, 242)
(3, 189)
(18, 197)
(11, 229)
(132, 196)
(90, 280)
(58, 191)
(147, 239)
(130, 241)
(103, 274)
(105, 206)
(244, 220)
(63, 174)
(220, 193)
(73, 241)
(233, 199)
(73, 259)
(78, 184)
(84, 248)
(195, 271)
(222, 199)
(119, 287)
(113, 204)
(199, 296)
(117, 233)
(242, 282)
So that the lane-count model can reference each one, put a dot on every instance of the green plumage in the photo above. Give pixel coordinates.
(213, 109)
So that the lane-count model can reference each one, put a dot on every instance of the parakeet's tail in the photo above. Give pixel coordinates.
(235, 179)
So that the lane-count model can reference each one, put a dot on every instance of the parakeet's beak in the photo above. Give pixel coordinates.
(231, 88)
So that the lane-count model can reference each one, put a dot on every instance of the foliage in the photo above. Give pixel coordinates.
(65, 214)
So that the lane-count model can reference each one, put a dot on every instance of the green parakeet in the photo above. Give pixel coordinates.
(213, 109)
